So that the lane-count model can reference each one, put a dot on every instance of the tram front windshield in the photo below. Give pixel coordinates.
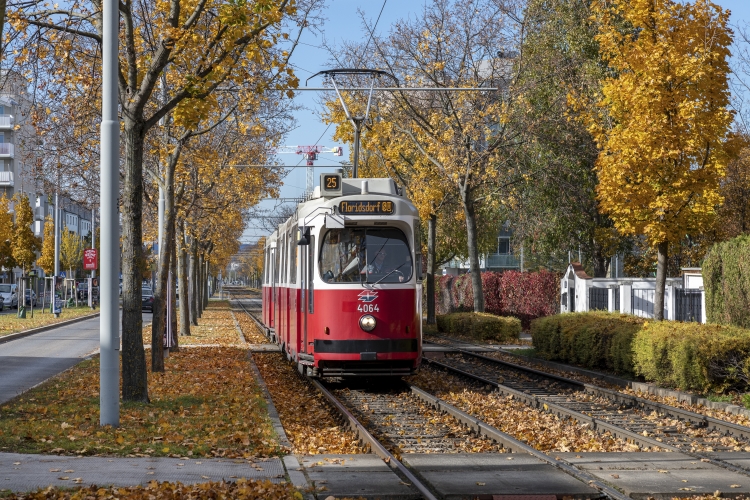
(366, 255)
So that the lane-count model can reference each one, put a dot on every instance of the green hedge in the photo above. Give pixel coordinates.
(689, 356)
(481, 326)
(726, 279)
(598, 340)
(693, 356)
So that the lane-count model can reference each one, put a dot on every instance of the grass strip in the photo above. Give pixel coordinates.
(309, 422)
(205, 404)
(11, 323)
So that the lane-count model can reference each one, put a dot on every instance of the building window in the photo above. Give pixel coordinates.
(503, 246)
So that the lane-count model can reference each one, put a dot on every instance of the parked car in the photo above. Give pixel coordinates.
(9, 293)
(147, 300)
(30, 298)
(2, 303)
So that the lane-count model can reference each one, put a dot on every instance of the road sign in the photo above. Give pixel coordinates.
(62, 274)
(89, 259)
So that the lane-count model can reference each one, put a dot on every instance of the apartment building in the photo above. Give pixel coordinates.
(16, 174)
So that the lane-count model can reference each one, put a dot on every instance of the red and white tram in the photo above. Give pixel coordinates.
(341, 287)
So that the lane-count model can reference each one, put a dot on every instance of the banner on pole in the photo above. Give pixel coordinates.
(89, 259)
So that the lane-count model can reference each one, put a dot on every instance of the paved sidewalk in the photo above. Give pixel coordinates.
(21, 472)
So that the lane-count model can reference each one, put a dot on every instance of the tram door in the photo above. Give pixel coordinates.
(272, 299)
(307, 261)
(303, 296)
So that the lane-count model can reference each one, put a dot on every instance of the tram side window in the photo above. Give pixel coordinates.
(365, 255)
(276, 258)
(265, 266)
(295, 257)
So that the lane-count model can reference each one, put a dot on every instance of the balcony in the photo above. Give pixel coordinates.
(7, 122)
(6, 179)
(7, 150)
(501, 261)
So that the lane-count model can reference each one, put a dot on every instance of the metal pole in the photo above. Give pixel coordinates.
(109, 331)
(93, 235)
(355, 169)
(57, 250)
(161, 219)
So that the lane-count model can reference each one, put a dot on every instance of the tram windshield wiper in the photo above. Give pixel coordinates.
(393, 271)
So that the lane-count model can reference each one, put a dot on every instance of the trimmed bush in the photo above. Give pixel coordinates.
(481, 326)
(689, 356)
(598, 340)
(693, 356)
(726, 279)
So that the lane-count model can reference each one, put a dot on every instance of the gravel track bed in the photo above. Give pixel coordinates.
(405, 424)
(312, 426)
(682, 434)
(544, 431)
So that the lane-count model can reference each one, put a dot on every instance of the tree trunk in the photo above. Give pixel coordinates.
(431, 230)
(134, 378)
(182, 272)
(201, 279)
(194, 283)
(173, 292)
(661, 280)
(471, 240)
(205, 285)
(601, 263)
(159, 321)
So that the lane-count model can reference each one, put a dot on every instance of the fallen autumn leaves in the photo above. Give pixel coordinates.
(242, 489)
(544, 431)
(309, 422)
(205, 404)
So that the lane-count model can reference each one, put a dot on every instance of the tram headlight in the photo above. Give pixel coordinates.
(367, 323)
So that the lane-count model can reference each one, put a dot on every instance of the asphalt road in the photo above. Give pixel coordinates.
(28, 361)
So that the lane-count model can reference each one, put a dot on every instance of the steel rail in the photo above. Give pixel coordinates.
(515, 445)
(635, 401)
(594, 423)
(374, 444)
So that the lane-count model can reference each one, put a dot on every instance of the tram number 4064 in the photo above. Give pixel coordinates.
(368, 308)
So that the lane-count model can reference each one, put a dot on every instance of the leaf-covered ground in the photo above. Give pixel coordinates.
(703, 410)
(215, 328)
(206, 403)
(544, 431)
(311, 425)
(242, 489)
(10, 323)
(249, 329)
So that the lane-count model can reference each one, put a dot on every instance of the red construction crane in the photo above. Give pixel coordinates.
(311, 155)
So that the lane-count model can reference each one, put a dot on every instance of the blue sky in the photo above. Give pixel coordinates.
(343, 23)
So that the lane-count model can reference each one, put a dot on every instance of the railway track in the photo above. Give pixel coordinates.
(395, 419)
(649, 424)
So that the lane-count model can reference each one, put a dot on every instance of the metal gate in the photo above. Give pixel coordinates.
(598, 299)
(688, 305)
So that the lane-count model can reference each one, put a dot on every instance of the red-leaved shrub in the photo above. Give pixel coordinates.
(524, 295)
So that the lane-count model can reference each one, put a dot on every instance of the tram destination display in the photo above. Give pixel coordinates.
(374, 207)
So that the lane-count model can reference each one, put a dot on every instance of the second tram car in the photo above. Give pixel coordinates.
(341, 286)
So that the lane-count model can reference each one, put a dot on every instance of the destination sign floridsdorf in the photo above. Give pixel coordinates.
(366, 207)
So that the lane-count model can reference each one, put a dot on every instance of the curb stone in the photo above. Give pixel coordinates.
(644, 387)
(26, 333)
(298, 479)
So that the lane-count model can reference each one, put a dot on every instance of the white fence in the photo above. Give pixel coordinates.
(580, 293)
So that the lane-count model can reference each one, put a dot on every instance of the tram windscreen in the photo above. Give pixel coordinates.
(366, 255)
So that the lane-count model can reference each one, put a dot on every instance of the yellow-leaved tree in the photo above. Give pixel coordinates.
(663, 142)
(23, 241)
(71, 251)
(7, 261)
(47, 260)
